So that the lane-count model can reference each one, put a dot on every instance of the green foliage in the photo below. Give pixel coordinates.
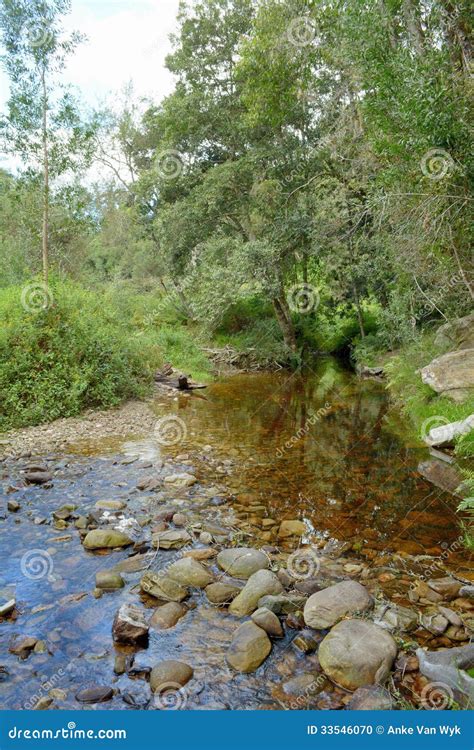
(85, 350)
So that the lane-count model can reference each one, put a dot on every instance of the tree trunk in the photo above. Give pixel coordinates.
(412, 15)
(45, 181)
(282, 313)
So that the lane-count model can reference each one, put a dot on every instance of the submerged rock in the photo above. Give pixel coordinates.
(167, 616)
(357, 653)
(242, 562)
(96, 694)
(326, 607)
(259, 584)
(250, 647)
(181, 480)
(108, 580)
(170, 672)
(282, 604)
(291, 528)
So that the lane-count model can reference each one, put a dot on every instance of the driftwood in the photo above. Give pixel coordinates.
(169, 378)
(244, 361)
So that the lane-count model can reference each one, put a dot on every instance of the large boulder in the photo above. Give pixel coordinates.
(162, 587)
(324, 608)
(357, 653)
(130, 625)
(190, 572)
(452, 374)
(106, 538)
(458, 334)
(242, 562)
(250, 647)
(259, 584)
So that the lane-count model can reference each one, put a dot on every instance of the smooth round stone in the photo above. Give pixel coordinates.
(249, 648)
(97, 694)
(167, 616)
(106, 538)
(242, 562)
(108, 580)
(268, 621)
(170, 671)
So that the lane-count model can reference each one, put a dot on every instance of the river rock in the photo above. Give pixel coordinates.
(190, 572)
(457, 334)
(6, 606)
(149, 484)
(38, 477)
(291, 528)
(452, 374)
(250, 647)
(434, 622)
(106, 538)
(282, 604)
(129, 625)
(162, 587)
(371, 698)
(445, 435)
(110, 505)
(170, 672)
(448, 588)
(174, 539)
(357, 653)
(13, 506)
(268, 621)
(96, 694)
(23, 647)
(326, 607)
(167, 616)
(242, 562)
(181, 480)
(221, 593)
(259, 584)
(394, 617)
(449, 668)
(108, 580)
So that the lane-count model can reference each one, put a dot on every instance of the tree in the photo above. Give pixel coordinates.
(43, 124)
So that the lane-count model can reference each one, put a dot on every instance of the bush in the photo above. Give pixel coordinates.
(76, 354)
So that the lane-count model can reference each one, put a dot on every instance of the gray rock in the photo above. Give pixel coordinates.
(452, 374)
(357, 653)
(162, 587)
(371, 698)
(467, 591)
(242, 562)
(130, 625)
(190, 572)
(170, 672)
(268, 621)
(181, 480)
(13, 506)
(448, 667)
(38, 477)
(394, 617)
(326, 607)
(249, 648)
(457, 334)
(259, 584)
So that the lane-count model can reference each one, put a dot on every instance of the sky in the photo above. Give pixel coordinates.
(127, 41)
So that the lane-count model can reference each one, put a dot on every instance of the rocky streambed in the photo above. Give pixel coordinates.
(215, 561)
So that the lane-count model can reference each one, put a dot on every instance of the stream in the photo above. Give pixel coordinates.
(321, 447)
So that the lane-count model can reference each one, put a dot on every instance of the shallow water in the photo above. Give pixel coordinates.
(314, 446)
